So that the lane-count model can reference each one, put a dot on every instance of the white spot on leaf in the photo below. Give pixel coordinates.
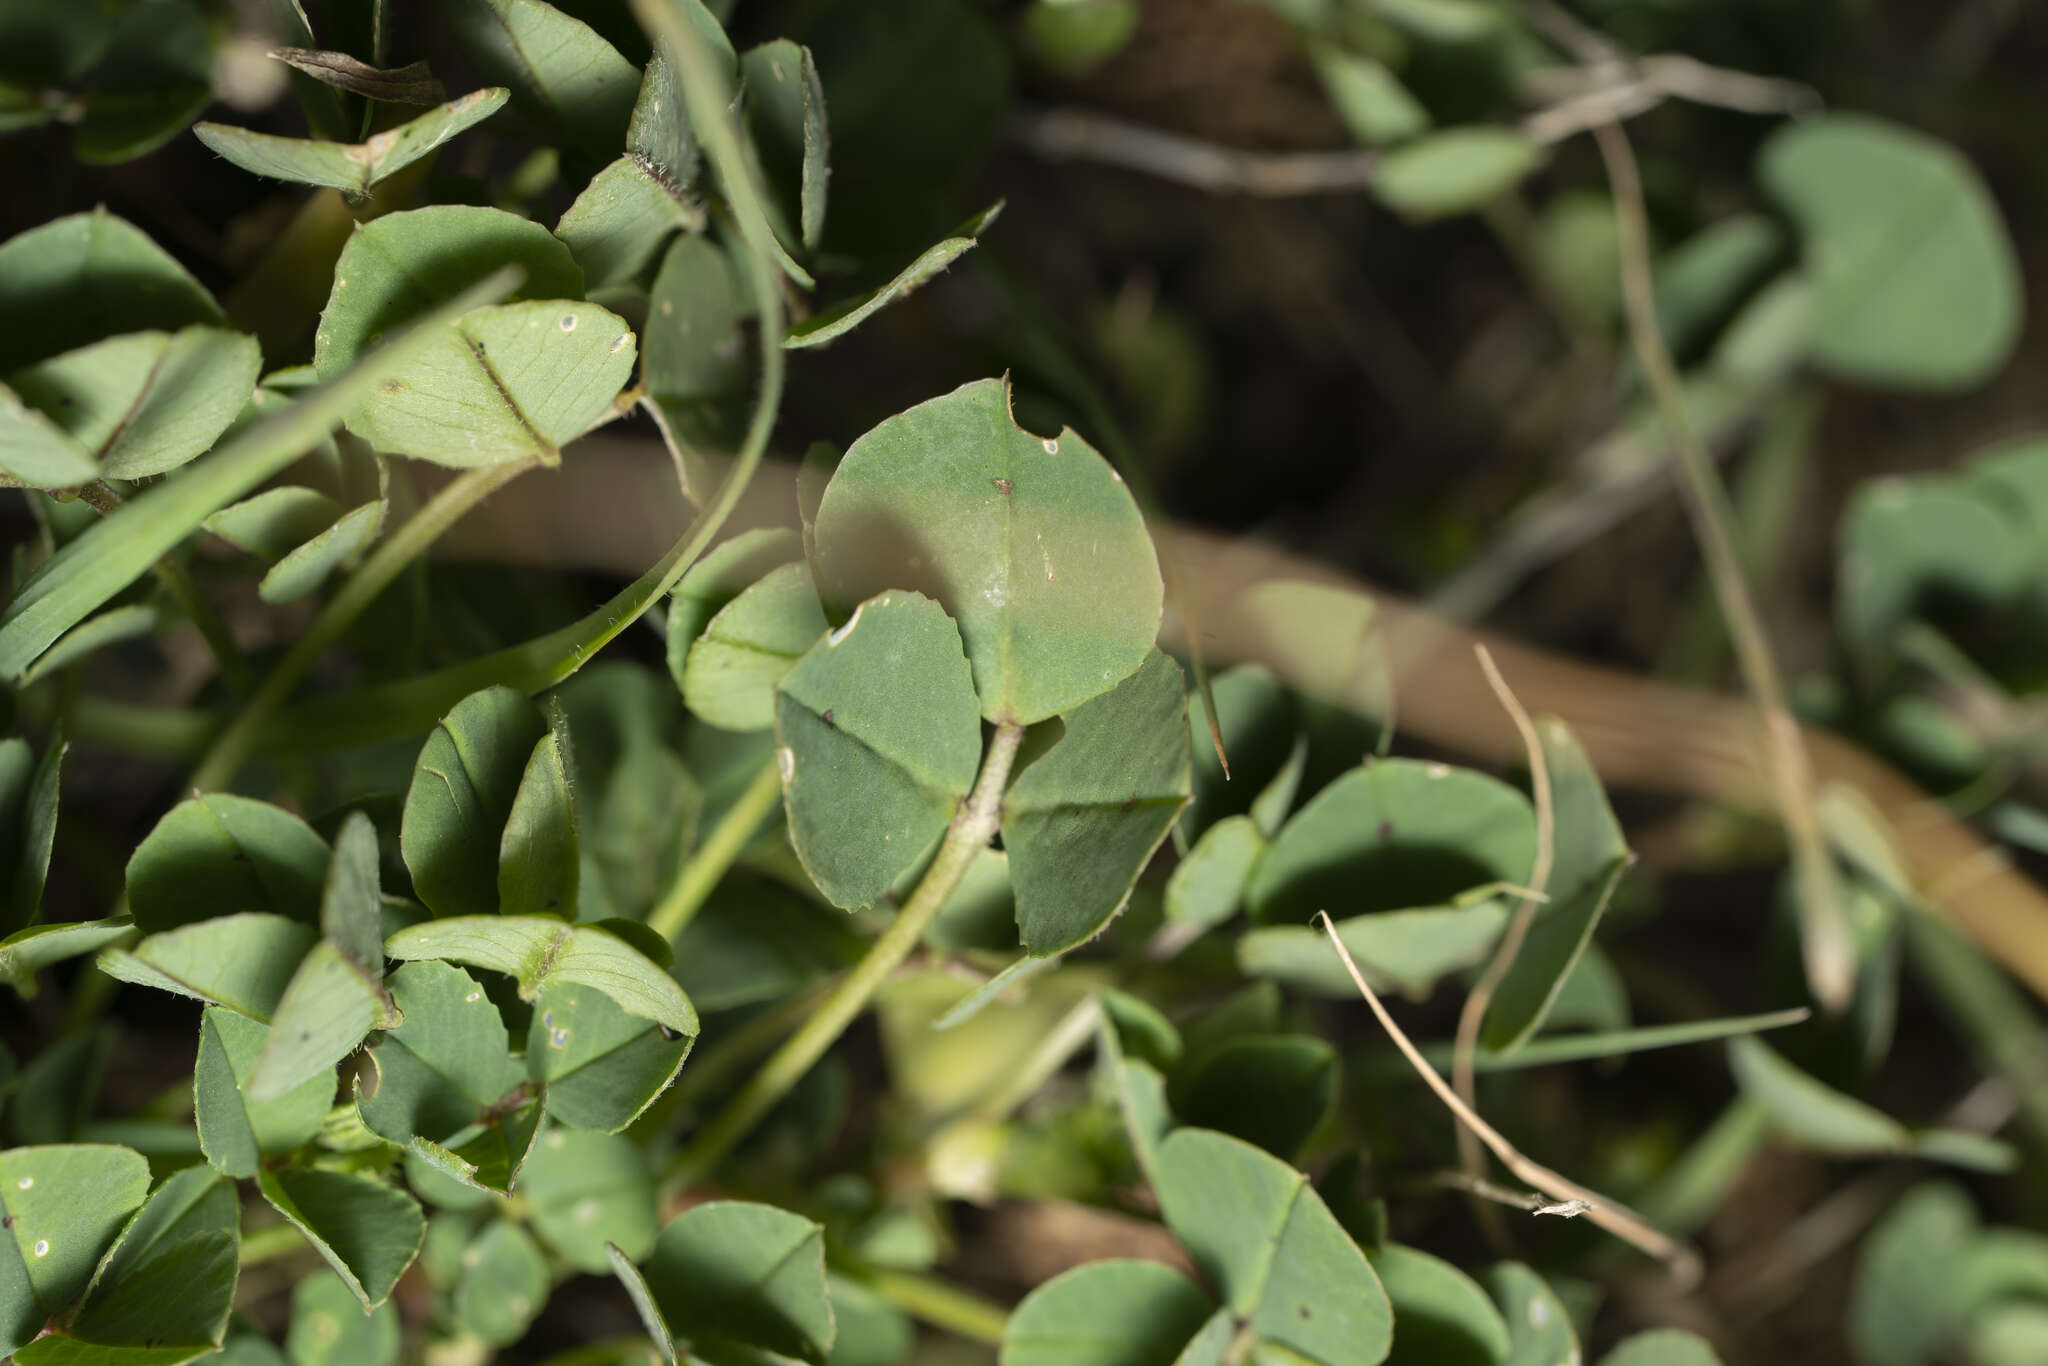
(785, 759)
(42, 1248)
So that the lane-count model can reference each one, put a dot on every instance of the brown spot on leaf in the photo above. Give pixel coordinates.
(1003, 486)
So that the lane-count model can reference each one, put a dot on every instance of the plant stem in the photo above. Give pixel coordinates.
(1825, 936)
(698, 876)
(973, 826)
(233, 666)
(272, 1241)
(933, 1301)
(224, 757)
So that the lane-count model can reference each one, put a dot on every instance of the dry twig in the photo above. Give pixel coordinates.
(1619, 1220)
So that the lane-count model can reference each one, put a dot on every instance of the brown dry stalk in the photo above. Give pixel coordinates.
(1619, 1220)
(613, 510)
(1825, 936)
(1481, 995)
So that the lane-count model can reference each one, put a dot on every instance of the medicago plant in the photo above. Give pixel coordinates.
(959, 925)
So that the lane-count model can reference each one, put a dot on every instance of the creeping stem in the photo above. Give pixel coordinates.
(973, 826)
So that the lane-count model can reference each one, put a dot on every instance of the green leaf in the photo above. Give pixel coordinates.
(1407, 950)
(561, 74)
(660, 132)
(1441, 1316)
(1539, 1327)
(601, 1067)
(2011, 1333)
(352, 898)
(399, 266)
(25, 952)
(131, 406)
(310, 565)
(1455, 171)
(448, 1061)
(623, 218)
(696, 371)
(1262, 734)
(1142, 1029)
(756, 941)
(541, 952)
(243, 962)
(219, 854)
(1376, 108)
(1034, 546)
(1265, 1240)
(170, 1277)
(91, 275)
(463, 789)
(869, 1330)
(1590, 855)
(1912, 545)
(729, 1274)
(1703, 279)
(35, 451)
(1207, 886)
(835, 321)
(488, 1157)
(715, 580)
(236, 1130)
(96, 633)
(880, 741)
(512, 382)
(1804, 1109)
(63, 1205)
(351, 168)
(1083, 820)
(1916, 281)
(1106, 1313)
(537, 854)
(28, 831)
(586, 1189)
(276, 521)
(330, 1006)
(329, 1327)
(1271, 1090)
(1662, 1347)
(785, 109)
(119, 548)
(368, 1232)
(732, 670)
(503, 1286)
(1394, 833)
(1819, 1117)
(58, 1089)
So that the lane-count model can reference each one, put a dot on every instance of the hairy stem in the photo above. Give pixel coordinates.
(1825, 936)
(974, 825)
(701, 873)
(225, 756)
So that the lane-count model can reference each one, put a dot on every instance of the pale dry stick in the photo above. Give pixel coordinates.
(1618, 1220)
(1481, 996)
(1826, 938)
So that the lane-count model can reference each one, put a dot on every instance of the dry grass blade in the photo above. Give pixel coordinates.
(1622, 1222)
(1481, 996)
(1825, 935)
